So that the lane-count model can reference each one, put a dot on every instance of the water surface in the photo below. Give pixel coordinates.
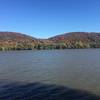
(73, 68)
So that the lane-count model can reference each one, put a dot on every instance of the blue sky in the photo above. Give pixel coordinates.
(46, 18)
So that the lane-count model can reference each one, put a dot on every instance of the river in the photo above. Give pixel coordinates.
(72, 68)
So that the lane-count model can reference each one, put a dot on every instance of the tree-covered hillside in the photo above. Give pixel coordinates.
(19, 41)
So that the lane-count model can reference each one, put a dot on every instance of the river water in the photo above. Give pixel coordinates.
(72, 68)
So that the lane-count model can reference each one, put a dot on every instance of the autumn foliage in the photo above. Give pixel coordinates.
(18, 41)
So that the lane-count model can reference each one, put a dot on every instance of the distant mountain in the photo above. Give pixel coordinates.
(19, 41)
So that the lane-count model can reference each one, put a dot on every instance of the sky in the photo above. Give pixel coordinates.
(47, 18)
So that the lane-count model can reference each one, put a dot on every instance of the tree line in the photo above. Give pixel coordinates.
(39, 46)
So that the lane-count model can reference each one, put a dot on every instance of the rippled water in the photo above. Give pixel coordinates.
(55, 71)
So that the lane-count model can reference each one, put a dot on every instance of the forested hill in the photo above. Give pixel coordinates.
(78, 40)
(19, 41)
(16, 41)
(14, 36)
